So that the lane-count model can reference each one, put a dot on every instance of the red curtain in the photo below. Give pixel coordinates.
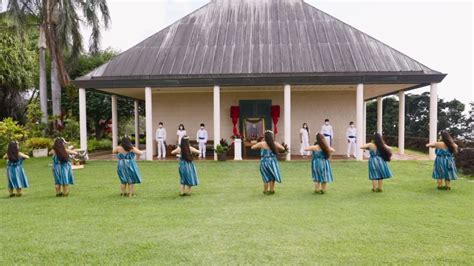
(235, 114)
(275, 116)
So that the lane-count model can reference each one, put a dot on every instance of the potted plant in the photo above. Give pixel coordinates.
(221, 152)
(281, 156)
(39, 146)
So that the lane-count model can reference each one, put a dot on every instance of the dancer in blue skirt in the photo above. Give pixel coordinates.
(444, 166)
(320, 166)
(16, 177)
(269, 167)
(380, 154)
(127, 168)
(62, 170)
(187, 170)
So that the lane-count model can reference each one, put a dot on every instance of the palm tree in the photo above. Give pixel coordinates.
(59, 22)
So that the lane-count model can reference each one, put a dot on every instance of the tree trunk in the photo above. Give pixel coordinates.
(55, 88)
(42, 75)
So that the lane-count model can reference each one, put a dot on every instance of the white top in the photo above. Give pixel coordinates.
(181, 134)
(201, 135)
(304, 134)
(161, 134)
(327, 129)
(351, 131)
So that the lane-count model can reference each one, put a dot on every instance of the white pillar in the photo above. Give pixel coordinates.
(287, 118)
(359, 118)
(217, 117)
(114, 122)
(379, 115)
(83, 118)
(364, 122)
(401, 122)
(137, 132)
(433, 116)
(42, 83)
(149, 124)
(238, 149)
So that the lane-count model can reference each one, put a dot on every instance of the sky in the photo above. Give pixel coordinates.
(439, 34)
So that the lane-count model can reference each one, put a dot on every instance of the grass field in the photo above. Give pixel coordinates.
(229, 221)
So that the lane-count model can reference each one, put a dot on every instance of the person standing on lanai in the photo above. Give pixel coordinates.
(444, 166)
(201, 138)
(16, 177)
(380, 154)
(351, 134)
(180, 133)
(161, 140)
(269, 168)
(327, 132)
(187, 170)
(304, 140)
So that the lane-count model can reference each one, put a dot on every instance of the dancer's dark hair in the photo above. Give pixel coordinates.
(270, 141)
(448, 140)
(126, 144)
(323, 144)
(13, 153)
(382, 147)
(60, 150)
(185, 149)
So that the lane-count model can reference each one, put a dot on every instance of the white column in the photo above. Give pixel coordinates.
(364, 122)
(433, 116)
(83, 118)
(287, 118)
(359, 118)
(149, 124)
(114, 122)
(217, 117)
(401, 122)
(137, 132)
(238, 149)
(42, 83)
(379, 115)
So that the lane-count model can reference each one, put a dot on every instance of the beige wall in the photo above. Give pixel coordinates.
(307, 106)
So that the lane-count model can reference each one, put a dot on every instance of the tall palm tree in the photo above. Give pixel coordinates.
(59, 21)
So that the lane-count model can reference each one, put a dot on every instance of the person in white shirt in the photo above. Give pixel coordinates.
(180, 133)
(351, 134)
(201, 138)
(304, 140)
(161, 140)
(327, 132)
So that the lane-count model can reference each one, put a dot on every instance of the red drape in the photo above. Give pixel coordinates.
(275, 116)
(235, 114)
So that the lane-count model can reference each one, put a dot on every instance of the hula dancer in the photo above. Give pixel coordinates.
(127, 168)
(380, 154)
(320, 166)
(62, 169)
(187, 170)
(269, 167)
(304, 140)
(16, 177)
(444, 166)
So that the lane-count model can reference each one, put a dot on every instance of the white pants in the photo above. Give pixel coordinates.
(202, 148)
(161, 148)
(328, 140)
(304, 144)
(351, 147)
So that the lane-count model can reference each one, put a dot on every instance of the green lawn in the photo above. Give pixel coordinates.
(229, 221)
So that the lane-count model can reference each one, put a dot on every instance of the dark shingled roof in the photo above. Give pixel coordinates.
(238, 42)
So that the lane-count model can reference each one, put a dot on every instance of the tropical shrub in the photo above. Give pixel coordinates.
(38, 143)
(10, 130)
(97, 145)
